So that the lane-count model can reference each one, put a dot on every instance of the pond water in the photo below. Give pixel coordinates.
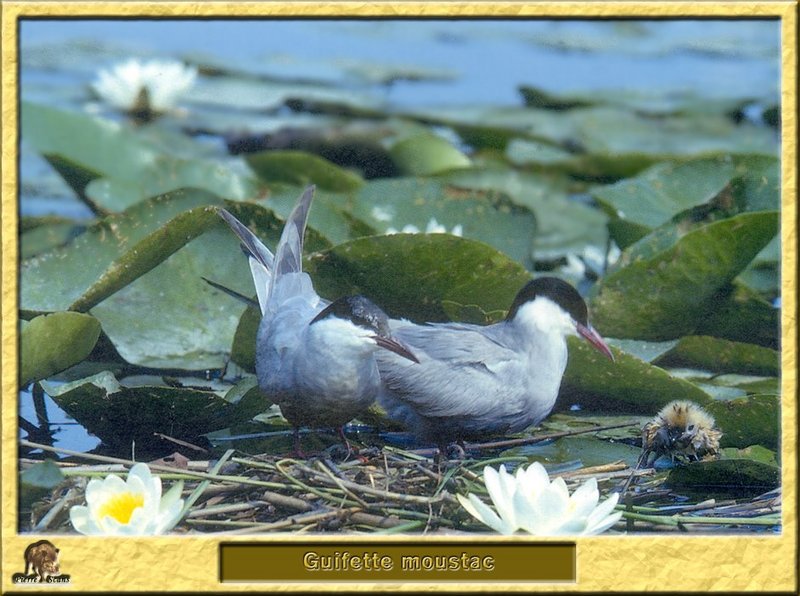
(490, 58)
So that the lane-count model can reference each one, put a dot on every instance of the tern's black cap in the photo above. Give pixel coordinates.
(359, 310)
(556, 290)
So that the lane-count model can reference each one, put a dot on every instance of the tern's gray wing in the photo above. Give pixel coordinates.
(259, 257)
(289, 254)
(463, 371)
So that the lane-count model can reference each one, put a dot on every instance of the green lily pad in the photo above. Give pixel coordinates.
(664, 285)
(618, 139)
(46, 475)
(38, 235)
(750, 420)
(329, 214)
(141, 274)
(539, 98)
(754, 452)
(563, 226)
(300, 168)
(83, 149)
(588, 450)
(754, 386)
(409, 275)
(486, 215)
(427, 154)
(651, 102)
(61, 277)
(38, 481)
(564, 422)
(666, 189)
(738, 313)
(627, 385)
(243, 350)
(120, 415)
(52, 343)
(742, 477)
(250, 94)
(720, 355)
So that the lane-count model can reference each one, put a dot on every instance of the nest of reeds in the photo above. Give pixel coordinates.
(384, 491)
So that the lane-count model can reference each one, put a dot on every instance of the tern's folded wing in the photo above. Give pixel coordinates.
(462, 371)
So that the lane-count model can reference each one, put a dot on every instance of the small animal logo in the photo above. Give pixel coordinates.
(41, 565)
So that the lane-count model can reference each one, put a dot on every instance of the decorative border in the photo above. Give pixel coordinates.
(605, 563)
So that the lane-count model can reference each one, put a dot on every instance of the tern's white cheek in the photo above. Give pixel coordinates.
(340, 339)
(545, 316)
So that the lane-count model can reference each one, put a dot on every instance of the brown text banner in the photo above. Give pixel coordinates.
(408, 561)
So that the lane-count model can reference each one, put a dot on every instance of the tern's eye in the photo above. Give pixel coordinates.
(690, 427)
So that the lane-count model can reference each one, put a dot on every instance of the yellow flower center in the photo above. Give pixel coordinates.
(121, 506)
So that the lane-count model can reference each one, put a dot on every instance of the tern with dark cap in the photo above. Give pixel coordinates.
(475, 381)
(314, 358)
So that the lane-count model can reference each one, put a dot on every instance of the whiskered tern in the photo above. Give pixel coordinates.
(314, 358)
(476, 381)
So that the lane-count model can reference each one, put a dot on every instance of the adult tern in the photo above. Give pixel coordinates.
(475, 381)
(314, 358)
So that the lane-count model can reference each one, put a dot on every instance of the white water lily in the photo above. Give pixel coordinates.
(433, 227)
(529, 502)
(152, 86)
(128, 508)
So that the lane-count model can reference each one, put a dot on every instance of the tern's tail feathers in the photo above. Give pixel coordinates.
(289, 255)
(292, 290)
(260, 257)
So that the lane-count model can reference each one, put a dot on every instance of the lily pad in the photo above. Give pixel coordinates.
(40, 234)
(618, 139)
(243, 350)
(738, 313)
(563, 226)
(38, 481)
(427, 154)
(754, 452)
(59, 278)
(52, 343)
(750, 420)
(742, 477)
(627, 385)
(666, 189)
(720, 355)
(409, 275)
(300, 168)
(83, 148)
(486, 215)
(663, 290)
(329, 214)
(141, 274)
(588, 450)
(564, 422)
(120, 415)
(46, 475)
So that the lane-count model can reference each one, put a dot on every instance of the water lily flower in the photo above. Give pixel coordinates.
(529, 502)
(144, 87)
(128, 508)
(433, 227)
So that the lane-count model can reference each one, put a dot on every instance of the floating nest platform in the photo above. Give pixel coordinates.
(381, 491)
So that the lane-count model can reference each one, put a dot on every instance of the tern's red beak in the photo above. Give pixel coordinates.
(391, 344)
(593, 337)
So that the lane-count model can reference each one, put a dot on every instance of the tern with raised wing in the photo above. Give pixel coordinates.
(314, 358)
